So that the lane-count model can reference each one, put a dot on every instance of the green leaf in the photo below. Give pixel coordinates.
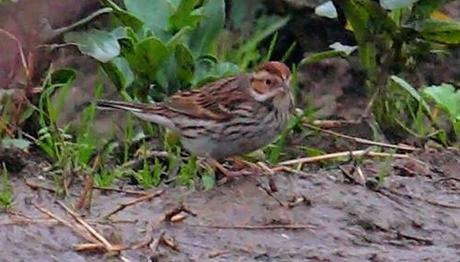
(367, 18)
(154, 13)
(316, 57)
(205, 35)
(63, 76)
(185, 64)
(125, 18)
(208, 181)
(423, 8)
(15, 143)
(178, 37)
(208, 70)
(149, 55)
(446, 32)
(396, 4)
(98, 44)
(185, 15)
(406, 86)
(119, 72)
(120, 33)
(447, 98)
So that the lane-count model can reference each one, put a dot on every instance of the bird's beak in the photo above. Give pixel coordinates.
(285, 88)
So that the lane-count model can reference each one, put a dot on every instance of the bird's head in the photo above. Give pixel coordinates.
(270, 80)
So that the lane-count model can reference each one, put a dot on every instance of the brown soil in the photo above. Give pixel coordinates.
(414, 216)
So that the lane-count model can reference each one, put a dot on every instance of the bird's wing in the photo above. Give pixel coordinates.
(214, 101)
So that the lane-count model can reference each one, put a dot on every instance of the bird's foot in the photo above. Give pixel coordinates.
(238, 168)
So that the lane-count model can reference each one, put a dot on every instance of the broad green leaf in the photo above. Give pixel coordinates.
(119, 33)
(204, 37)
(154, 13)
(185, 15)
(423, 8)
(98, 44)
(447, 32)
(367, 18)
(316, 57)
(119, 72)
(185, 65)
(179, 37)
(447, 98)
(208, 181)
(149, 55)
(126, 18)
(15, 143)
(63, 76)
(406, 86)
(396, 4)
(326, 10)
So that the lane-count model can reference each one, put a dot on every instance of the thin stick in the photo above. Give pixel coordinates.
(150, 154)
(341, 154)
(258, 227)
(334, 123)
(74, 228)
(97, 246)
(20, 50)
(90, 229)
(132, 192)
(135, 201)
(361, 140)
(86, 196)
(35, 186)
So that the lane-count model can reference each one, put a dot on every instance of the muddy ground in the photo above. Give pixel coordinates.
(413, 216)
(326, 213)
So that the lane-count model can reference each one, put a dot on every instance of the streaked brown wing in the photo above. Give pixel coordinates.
(212, 102)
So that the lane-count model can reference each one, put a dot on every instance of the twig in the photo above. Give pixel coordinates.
(85, 197)
(135, 201)
(21, 52)
(35, 186)
(89, 247)
(148, 238)
(270, 194)
(334, 123)
(349, 174)
(132, 192)
(341, 154)
(446, 179)
(175, 211)
(109, 247)
(434, 203)
(24, 221)
(361, 140)
(74, 228)
(289, 170)
(154, 245)
(52, 33)
(150, 154)
(426, 241)
(257, 227)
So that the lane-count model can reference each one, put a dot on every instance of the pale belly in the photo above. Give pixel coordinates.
(226, 143)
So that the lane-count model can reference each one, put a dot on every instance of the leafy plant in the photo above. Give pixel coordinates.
(6, 195)
(447, 98)
(69, 149)
(390, 37)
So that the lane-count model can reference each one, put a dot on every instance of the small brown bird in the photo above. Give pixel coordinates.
(225, 118)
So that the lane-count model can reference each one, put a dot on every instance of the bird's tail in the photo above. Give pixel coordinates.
(152, 113)
(120, 105)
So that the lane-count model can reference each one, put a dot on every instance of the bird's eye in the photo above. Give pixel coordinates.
(268, 82)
